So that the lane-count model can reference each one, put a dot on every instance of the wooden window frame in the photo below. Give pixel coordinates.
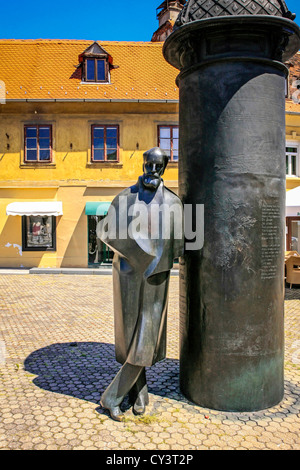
(105, 126)
(25, 246)
(171, 127)
(38, 126)
(95, 79)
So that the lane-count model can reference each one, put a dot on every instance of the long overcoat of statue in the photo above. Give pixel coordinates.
(144, 229)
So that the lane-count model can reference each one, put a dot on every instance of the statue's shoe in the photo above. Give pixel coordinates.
(114, 411)
(139, 401)
(138, 409)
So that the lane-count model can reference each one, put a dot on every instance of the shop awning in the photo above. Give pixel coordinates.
(96, 208)
(35, 208)
(293, 197)
(293, 202)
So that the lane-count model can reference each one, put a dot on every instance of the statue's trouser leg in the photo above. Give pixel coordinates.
(138, 395)
(121, 385)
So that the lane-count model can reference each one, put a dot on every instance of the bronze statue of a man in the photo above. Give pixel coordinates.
(144, 228)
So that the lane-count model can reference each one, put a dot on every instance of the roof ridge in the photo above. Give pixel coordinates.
(75, 41)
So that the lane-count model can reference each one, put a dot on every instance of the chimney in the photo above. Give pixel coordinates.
(167, 14)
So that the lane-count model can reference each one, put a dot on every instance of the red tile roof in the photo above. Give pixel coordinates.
(46, 69)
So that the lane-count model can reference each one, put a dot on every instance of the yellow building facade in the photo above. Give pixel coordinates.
(71, 177)
(138, 98)
(75, 120)
(293, 156)
(48, 89)
(292, 179)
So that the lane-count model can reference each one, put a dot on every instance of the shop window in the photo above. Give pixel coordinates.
(105, 143)
(38, 233)
(292, 160)
(168, 140)
(38, 143)
(98, 252)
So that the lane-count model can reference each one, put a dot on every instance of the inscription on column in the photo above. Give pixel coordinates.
(271, 240)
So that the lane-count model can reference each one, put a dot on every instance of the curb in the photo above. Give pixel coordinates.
(70, 271)
(81, 271)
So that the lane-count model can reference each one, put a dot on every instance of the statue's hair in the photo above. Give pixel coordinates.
(159, 152)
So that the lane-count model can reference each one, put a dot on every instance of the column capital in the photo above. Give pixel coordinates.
(230, 37)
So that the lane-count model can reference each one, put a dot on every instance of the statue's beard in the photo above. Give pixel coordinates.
(151, 182)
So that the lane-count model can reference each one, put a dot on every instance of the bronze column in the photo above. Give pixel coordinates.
(232, 160)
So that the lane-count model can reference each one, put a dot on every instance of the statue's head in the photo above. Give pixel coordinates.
(155, 162)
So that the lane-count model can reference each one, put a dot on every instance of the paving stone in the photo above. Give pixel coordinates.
(59, 336)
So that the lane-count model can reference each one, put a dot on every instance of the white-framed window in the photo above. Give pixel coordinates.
(292, 158)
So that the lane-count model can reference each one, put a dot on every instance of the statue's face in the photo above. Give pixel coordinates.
(154, 167)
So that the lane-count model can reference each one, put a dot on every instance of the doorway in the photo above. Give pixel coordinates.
(98, 252)
(293, 234)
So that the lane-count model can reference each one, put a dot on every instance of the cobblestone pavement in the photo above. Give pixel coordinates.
(57, 356)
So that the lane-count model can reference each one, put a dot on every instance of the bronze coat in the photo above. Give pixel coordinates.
(141, 272)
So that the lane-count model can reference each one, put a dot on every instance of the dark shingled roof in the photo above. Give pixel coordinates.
(199, 9)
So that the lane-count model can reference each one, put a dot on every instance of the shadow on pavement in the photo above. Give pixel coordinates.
(83, 370)
(293, 293)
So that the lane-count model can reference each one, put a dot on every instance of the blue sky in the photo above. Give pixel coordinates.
(294, 6)
(111, 20)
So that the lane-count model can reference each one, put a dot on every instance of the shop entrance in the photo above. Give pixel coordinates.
(293, 234)
(98, 252)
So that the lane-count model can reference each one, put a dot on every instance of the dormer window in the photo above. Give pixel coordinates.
(95, 70)
(96, 64)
